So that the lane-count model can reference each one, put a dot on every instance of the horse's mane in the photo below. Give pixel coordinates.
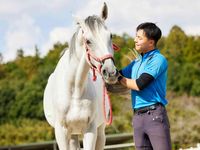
(90, 22)
(72, 46)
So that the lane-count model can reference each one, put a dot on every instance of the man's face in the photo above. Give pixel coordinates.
(142, 43)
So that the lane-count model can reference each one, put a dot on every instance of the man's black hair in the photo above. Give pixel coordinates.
(151, 31)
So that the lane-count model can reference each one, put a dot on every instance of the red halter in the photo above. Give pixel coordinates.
(100, 60)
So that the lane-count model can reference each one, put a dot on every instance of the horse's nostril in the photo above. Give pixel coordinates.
(113, 73)
(104, 72)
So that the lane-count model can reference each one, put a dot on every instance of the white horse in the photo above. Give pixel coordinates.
(72, 100)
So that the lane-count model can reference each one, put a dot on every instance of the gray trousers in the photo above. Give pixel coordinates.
(152, 130)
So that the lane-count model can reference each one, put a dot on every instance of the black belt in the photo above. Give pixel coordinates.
(147, 108)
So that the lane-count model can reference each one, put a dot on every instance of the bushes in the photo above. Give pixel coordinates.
(183, 114)
(25, 131)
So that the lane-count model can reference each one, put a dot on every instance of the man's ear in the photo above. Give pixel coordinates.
(152, 42)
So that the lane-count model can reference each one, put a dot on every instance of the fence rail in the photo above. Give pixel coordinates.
(115, 141)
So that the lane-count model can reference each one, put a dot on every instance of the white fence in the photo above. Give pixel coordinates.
(112, 142)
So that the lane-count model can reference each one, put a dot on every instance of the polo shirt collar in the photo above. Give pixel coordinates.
(146, 55)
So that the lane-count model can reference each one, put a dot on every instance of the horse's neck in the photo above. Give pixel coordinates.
(80, 73)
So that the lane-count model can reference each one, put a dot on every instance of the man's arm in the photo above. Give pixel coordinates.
(139, 84)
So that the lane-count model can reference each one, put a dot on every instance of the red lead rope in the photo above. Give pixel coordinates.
(105, 93)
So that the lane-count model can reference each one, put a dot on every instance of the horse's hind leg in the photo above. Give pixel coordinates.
(101, 138)
(61, 137)
(74, 143)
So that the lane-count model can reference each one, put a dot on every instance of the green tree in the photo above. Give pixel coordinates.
(7, 97)
(173, 50)
(125, 43)
(1, 58)
(37, 52)
(20, 53)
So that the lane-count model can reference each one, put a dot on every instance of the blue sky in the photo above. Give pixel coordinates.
(26, 23)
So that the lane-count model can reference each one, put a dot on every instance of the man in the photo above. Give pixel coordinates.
(146, 77)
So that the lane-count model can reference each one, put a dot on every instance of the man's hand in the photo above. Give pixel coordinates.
(117, 88)
(120, 77)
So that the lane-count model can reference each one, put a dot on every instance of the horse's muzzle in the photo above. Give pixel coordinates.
(110, 75)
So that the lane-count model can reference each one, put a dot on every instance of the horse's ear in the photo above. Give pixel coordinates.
(104, 13)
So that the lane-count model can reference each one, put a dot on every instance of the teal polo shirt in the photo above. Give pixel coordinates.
(155, 64)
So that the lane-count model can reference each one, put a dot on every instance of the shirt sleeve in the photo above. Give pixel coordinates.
(144, 80)
(126, 72)
(156, 65)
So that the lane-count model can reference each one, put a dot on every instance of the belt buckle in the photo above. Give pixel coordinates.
(153, 107)
(146, 109)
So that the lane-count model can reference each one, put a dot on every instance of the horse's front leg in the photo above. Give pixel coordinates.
(90, 136)
(101, 138)
(62, 136)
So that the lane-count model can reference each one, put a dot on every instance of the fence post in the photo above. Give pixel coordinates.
(54, 146)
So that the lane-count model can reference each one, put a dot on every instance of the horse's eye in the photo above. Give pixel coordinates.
(111, 36)
(88, 41)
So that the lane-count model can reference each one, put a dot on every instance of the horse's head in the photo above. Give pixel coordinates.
(97, 41)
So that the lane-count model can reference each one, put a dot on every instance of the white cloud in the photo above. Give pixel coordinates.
(22, 33)
(30, 6)
(192, 29)
(37, 26)
(125, 16)
(58, 34)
